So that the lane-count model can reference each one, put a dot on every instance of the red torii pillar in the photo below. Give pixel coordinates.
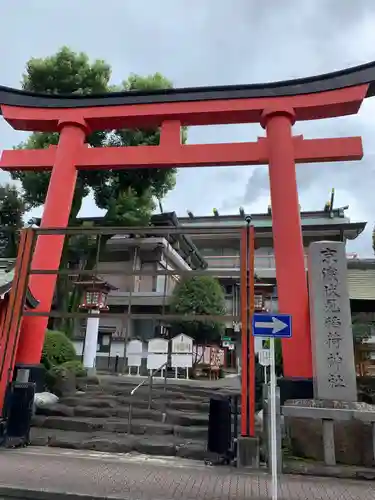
(280, 149)
(48, 248)
(286, 220)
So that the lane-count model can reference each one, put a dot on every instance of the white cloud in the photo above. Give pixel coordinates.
(221, 42)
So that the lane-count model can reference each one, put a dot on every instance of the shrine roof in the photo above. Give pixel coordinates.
(93, 282)
(336, 215)
(6, 282)
(364, 264)
(319, 220)
(363, 74)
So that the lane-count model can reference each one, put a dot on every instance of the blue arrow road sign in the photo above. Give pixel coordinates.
(272, 325)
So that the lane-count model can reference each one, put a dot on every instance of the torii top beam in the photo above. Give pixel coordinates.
(191, 155)
(329, 95)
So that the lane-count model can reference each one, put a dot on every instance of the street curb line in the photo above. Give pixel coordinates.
(30, 494)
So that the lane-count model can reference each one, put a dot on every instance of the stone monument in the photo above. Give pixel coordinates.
(331, 325)
(334, 419)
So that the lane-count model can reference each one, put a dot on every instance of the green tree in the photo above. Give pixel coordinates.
(12, 210)
(127, 196)
(201, 295)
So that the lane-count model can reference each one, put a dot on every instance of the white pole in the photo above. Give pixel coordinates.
(91, 341)
(265, 374)
(273, 420)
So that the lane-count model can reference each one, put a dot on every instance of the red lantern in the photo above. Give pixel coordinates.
(95, 293)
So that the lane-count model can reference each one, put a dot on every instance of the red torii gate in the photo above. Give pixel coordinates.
(275, 106)
(172, 154)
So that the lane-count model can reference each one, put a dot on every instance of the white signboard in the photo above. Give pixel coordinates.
(182, 351)
(157, 353)
(182, 360)
(158, 346)
(264, 357)
(182, 344)
(134, 353)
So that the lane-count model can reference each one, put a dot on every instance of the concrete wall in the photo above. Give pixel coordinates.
(121, 281)
(144, 329)
(142, 260)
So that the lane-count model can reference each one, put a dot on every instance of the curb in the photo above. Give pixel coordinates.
(29, 494)
(326, 471)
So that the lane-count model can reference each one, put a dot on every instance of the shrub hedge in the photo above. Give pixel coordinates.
(57, 349)
(76, 367)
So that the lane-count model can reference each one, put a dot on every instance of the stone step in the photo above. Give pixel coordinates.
(119, 426)
(111, 401)
(124, 390)
(174, 417)
(143, 393)
(188, 387)
(120, 443)
(201, 387)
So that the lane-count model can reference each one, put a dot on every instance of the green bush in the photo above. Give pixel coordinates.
(51, 376)
(57, 349)
(76, 367)
(57, 379)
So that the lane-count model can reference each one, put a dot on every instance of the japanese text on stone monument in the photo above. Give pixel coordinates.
(332, 320)
(331, 331)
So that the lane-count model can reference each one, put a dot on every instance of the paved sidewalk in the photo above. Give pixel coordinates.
(138, 477)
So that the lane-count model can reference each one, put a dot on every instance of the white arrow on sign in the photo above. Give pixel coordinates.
(276, 325)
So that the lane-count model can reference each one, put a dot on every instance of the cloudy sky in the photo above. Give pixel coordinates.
(211, 42)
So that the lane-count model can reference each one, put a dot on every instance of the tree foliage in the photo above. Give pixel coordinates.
(127, 196)
(12, 210)
(201, 295)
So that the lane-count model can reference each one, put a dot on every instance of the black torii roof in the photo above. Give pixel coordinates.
(6, 282)
(349, 77)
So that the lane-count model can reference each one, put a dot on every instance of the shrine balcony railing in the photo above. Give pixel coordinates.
(152, 298)
(233, 261)
(265, 261)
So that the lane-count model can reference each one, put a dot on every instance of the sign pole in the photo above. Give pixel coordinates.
(273, 419)
(273, 326)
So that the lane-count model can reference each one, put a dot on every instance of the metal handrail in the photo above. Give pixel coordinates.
(148, 380)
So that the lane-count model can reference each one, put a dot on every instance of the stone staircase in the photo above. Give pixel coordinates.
(96, 418)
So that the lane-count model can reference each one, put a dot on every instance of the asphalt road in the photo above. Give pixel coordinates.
(139, 477)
